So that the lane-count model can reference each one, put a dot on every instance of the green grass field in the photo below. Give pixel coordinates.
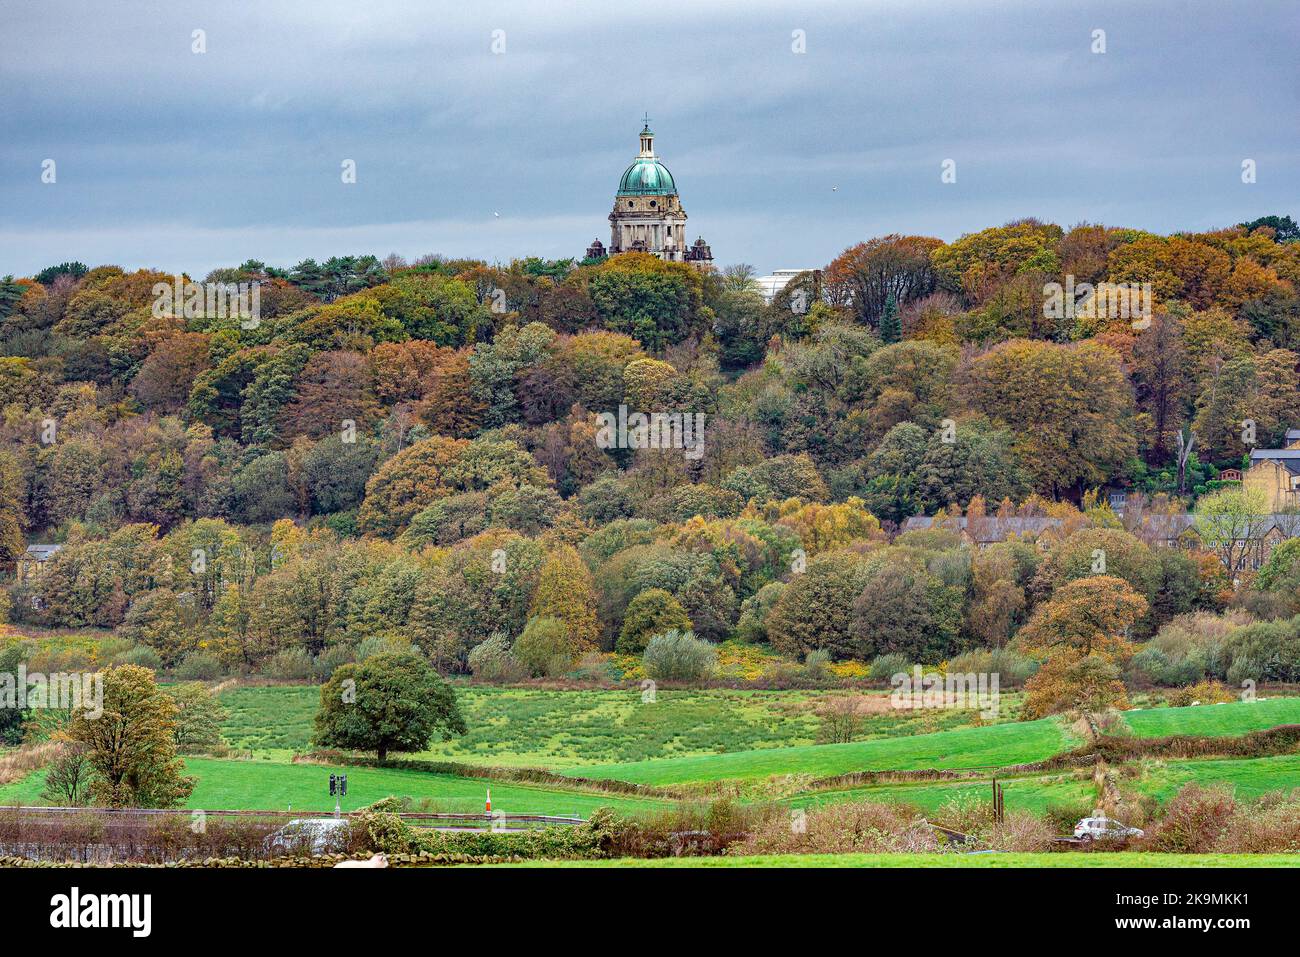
(1247, 777)
(1121, 859)
(274, 785)
(270, 720)
(1216, 720)
(513, 727)
(991, 745)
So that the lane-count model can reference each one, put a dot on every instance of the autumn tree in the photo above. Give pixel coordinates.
(435, 468)
(165, 377)
(565, 591)
(333, 388)
(1104, 551)
(979, 265)
(865, 276)
(1092, 615)
(1067, 406)
(131, 746)
(1066, 683)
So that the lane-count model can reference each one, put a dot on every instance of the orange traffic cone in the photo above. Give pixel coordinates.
(489, 800)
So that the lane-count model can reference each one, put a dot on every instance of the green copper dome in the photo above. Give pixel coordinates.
(647, 177)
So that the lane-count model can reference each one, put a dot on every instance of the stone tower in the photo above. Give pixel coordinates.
(648, 215)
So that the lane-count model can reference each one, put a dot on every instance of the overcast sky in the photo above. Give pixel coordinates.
(178, 160)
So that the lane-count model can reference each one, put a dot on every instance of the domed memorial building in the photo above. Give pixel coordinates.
(648, 215)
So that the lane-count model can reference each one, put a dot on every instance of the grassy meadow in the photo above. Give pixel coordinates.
(525, 727)
(971, 747)
(1214, 720)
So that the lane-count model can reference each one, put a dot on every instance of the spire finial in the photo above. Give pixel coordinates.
(646, 118)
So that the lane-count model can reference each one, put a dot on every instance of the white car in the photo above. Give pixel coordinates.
(1104, 829)
(313, 835)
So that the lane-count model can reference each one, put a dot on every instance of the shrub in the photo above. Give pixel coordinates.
(544, 648)
(842, 829)
(1271, 825)
(1203, 692)
(1153, 665)
(378, 828)
(199, 666)
(594, 667)
(1021, 831)
(1265, 651)
(1011, 667)
(884, 667)
(289, 664)
(491, 660)
(141, 655)
(382, 645)
(679, 656)
(817, 664)
(332, 658)
(1194, 821)
(1188, 648)
(650, 613)
(689, 829)
(1061, 818)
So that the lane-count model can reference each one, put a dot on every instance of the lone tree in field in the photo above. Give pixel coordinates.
(1082, 635)
(389, 702)
(131, 746)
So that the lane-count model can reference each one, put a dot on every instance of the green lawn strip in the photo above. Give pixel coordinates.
(1062, 859)
(271, 785)
(1214, 720)
(997, 745)
(1247, 777)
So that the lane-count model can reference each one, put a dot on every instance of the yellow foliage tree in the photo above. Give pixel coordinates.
(1087, 616)
(565, 590)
